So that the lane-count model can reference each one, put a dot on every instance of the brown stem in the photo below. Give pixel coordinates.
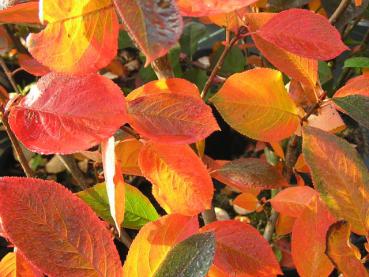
(71, 165)
(163, 68)
(125, 238)
(314, 108)
(209, 216)
(9, 74)
(339, 11)
(130, 132)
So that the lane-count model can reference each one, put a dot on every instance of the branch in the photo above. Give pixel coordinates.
(339, 11)
(71, 165)
(9, 75)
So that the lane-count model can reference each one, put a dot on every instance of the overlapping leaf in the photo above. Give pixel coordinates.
(31, 65)
(181, 183)
(340, 176)
(155, 26)
(80, 37)
(126, 153)
(152, 244)
(343, 254)
(318, 39)
(56, 230)
(356, 106)
(21, 13)
(66, 114)
(241, 251)
(308, 240)
(14, 264)
(355, 86)
(256, 104)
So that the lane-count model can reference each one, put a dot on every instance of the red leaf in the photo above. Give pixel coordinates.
(171, 118)
(31, 65)
(304, 33)
(210, 7)
(66, 114)
(21, 13)
(241, 251)
(355, 86)
(154, 25)
(154, 241)
(308, 240)
(56, 230)
(293, 201)
(181, 183)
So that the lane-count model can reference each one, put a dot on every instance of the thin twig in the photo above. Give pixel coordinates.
(339, 11)
(314, 108)
(9, 74)
(71, 165)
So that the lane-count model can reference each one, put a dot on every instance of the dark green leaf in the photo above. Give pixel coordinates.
(190, 258)
(357, 106)
(234, 62)
(192, 33)
(325, 73)
(196, 76)
(361, 62)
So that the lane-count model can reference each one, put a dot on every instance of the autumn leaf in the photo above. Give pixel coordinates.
(342, 253)
(246, 201)
(126, 153)
(171, 118)
(284, 225)
(155, 26)
(66, 114)
(299, 68)
(21, 13)
(256, 104)
(210, 7)
(114, 182)
(14, 264)
(191, 257)
(40, 215)
(355, 86)
(317, 40)
(181, 183)
(241, 251)
(80, 37)
(339, 175)
(308, 240)
(31, 65)
(243, 174)
(356, 106)
(293, 201)
(154, 241)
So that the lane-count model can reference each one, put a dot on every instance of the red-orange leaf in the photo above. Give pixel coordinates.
(154, 25)
(31, 65)
(66, 114)
(14, 264)
(355, 86)
(284, 225)
(154, 241)
(241, 251)
(181, 183)
(308, 240)
(243, 174)
(80, 37)
(20, 13)
(340, 176)
(210, 7)
(56, 230)
(303, 33)
(171, 117)
(293, 201)
(343, 254)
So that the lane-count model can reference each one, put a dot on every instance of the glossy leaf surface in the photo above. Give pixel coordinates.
(256, 104)
(56, 230)
(181, 183)
(66, 114)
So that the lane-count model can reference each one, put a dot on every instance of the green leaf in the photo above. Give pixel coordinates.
(234, 62)
(325, 73)
(174, 60)
(190, 258)
(196, 76)
(356, 106)
(139, 210)
(360, 62)
(192, 33)
(124, 40)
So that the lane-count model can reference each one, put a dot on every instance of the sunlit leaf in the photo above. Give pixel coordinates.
(256, 104)
(317, 40)
(67, 114)
(80, 36)
(343, 254)
(339, 175)
(181, 183)
(355, 86)
(153, 242)
(155, 26)
(284, 225)
(246, 201)
(31, 65)
(126, 152)
(21, 13)
(39, 215)
(241, 250)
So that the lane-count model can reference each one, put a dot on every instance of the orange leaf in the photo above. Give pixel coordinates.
(155, 26)
(243, 174)
(126, 153)
(358, 3)
(355, 86)
(256, 104)
(55, 230)
(31, 65)
(171, 118)
(181, 183)
(80, 37)
(308, 240)
(231, 20)
(301, 165)
(241, 251)
(292, 201)
(284, 225)
(302, 69)
(343, 254)
(14, 264)
(246, 201)
(340, 176)
(114, 182)
(154, 241)
(327, 119)
(21, 13)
